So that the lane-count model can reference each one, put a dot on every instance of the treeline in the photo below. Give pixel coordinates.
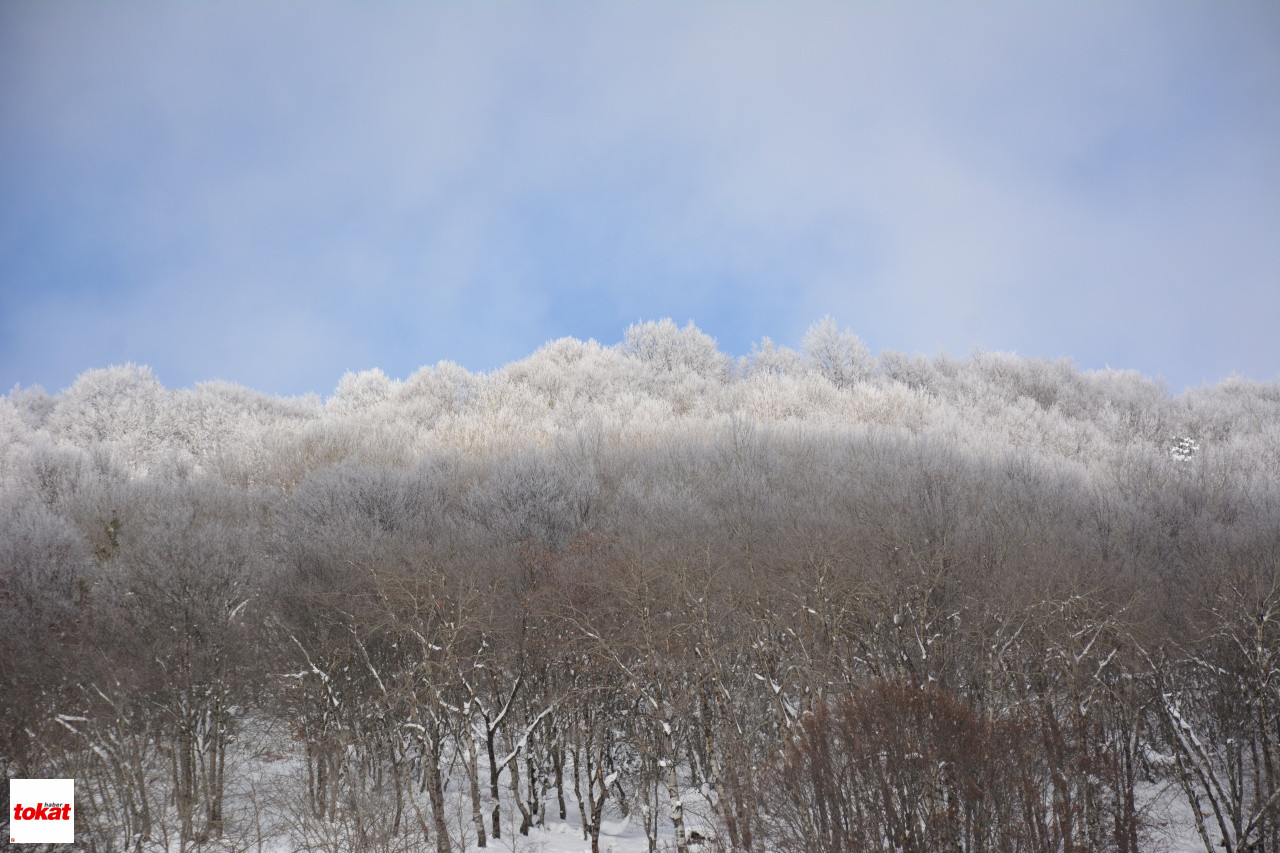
(845, 602)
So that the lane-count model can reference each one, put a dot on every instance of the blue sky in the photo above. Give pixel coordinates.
(276, 193)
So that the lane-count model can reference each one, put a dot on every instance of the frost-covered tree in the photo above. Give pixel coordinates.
(123, 406)
(666, 346)
(357, 392)
(768, 359)
(33, 405)
(837, 355)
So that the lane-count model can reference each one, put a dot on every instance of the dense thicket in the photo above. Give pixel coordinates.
(857, 603)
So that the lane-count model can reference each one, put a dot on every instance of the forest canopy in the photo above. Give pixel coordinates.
(637, 571)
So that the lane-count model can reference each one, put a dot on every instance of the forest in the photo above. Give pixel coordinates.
(807, 599)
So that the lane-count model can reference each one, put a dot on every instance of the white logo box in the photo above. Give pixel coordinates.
(42, 811)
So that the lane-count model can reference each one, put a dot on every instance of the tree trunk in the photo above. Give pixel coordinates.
(473, 773)
(525, 820)
(493, 778)
(435, 790)
(557, 762)
(677, 804)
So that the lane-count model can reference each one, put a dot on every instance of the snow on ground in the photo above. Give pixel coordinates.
(266, 815)
(1170, 810)
(264, 809)
(617, 834)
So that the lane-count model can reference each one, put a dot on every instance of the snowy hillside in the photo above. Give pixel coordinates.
(649, 594)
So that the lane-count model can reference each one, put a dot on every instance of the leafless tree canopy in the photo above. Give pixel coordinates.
(843, 602)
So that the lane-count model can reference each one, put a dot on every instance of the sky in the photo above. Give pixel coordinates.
(275, 193)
